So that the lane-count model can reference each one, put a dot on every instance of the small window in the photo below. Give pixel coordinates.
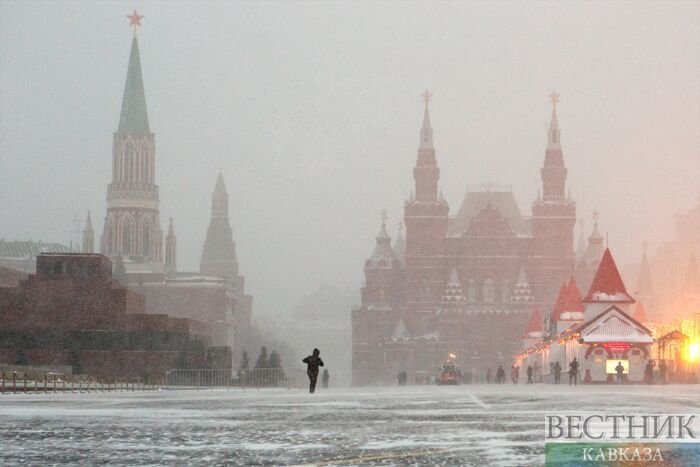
(471, 291)
(381, 294)
(489, 290)
(505, 291)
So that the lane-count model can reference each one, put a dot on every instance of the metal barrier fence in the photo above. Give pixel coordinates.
(43, 383)
(206, 378)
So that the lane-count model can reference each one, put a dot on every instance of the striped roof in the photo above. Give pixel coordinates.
(614, 325)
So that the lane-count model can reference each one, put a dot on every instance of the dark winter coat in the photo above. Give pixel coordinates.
(573, 367)
(313, 362)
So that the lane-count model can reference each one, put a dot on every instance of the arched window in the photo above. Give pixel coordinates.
(127, 234)
(129, 154)
(471, 291)
(505, 290)
(381, 296)
(146, 239)
(145, 160)
(489, 290)
(424, 291)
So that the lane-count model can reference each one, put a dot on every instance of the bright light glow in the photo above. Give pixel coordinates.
(693, 352)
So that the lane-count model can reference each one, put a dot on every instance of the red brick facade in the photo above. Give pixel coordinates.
(71, 312)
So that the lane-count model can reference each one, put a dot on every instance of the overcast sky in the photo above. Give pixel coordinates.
(313, 111)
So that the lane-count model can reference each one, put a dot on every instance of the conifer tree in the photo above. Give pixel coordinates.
(263, 361)
(244, 361)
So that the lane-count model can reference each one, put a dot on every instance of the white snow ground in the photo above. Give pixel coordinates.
(463, 425)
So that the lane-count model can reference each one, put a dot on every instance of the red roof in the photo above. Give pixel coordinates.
(607, 285)
(640, 314)
(569, 299)
(574, 296)
(535, 324)
(560, 304)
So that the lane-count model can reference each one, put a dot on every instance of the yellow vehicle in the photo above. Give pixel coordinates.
(448, 372)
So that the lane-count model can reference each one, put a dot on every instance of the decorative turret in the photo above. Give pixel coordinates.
(171, 249)
(553, 172)
(383, 255)
(88, 236)
(554, 215)
(400, 244)
(426, 173)
(219, 251)
(425, 215)
(382, 271)
(521, 291)
(454, 292)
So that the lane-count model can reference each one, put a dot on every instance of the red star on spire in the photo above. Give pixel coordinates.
(134, 20)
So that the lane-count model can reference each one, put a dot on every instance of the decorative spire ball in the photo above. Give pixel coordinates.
(134, 20)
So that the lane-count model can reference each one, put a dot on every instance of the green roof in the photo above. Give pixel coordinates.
(134, 117)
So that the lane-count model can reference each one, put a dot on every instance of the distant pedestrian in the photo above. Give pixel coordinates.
(514, 374)
(620, 370)
(488, 376)
(500, 375)
(557, 373)
(529, 374)
(662, 371)
(573, 372)
(313, 361)
(324, 379)
(649, 370)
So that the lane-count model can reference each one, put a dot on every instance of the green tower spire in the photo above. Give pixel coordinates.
(134, 117)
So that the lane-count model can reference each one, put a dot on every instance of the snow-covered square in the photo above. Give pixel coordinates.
(462, 425)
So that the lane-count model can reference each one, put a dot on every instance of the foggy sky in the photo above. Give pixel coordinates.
(313, 111)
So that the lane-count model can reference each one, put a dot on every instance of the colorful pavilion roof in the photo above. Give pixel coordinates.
(534, 327)
(607, 285)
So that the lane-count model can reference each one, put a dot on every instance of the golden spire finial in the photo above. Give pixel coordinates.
(554, 97)
(427, 95)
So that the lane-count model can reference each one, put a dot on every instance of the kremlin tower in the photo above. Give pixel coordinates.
(132, 228)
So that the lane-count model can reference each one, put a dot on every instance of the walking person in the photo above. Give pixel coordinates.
(324, 379)
(557, 373)
(649, 370)
(488, 376)
(573, 372)
(313, 362)
(529, 374)
(620, 370)
(500, 375)
(514, 374)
